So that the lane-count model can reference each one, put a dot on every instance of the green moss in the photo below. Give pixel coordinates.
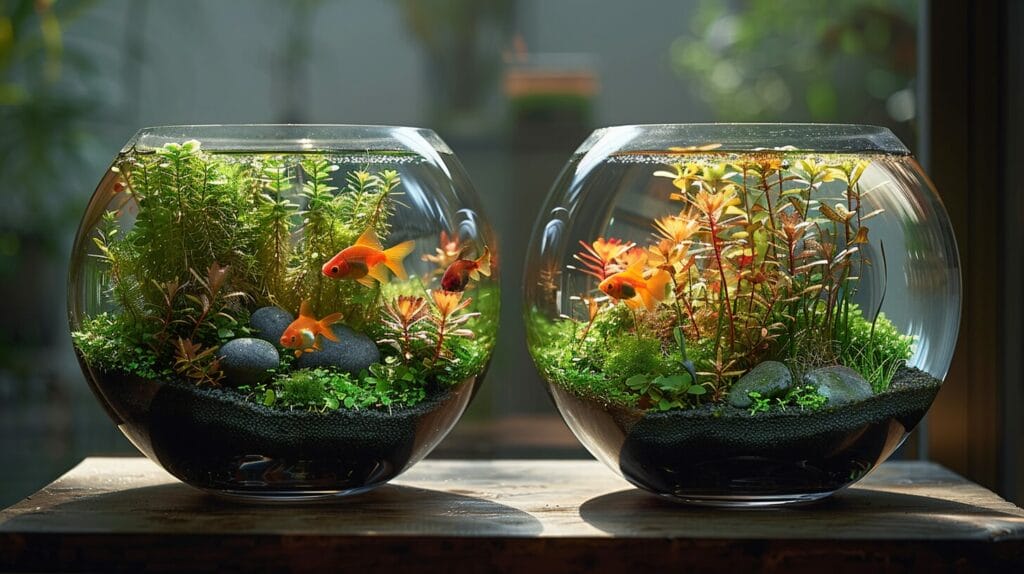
(634, 356)
(303, 388)
(110, 343)
(384, 385)
(571, 366)
(468, 358)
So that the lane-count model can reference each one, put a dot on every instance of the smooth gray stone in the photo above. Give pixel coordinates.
(841, 385)
(270, 322)
(247, 361)
(352, 353)
(770, 378)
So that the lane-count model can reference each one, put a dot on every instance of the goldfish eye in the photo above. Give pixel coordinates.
(334, 269)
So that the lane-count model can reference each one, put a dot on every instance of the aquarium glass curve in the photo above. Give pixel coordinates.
(284, 311)
(742, 314)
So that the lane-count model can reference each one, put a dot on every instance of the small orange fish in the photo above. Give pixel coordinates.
(303, 333)
(458, 274)
(631, 287)
(365, 261)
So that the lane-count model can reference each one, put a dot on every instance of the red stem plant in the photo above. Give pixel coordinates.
(402, 316)
(448, 318)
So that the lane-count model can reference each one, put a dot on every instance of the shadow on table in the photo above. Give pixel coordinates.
(856, 512)
(178, 508)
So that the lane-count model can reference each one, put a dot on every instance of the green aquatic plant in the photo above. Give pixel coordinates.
(634, 356)
(215, 236)
(395, 382)
(113, 343)
(332, 220)
(275, 215)
(875, 349)
(666, 392)
(321, 230)
(118, 281)
(759, 403)
(803, 397)
(384, 385)
(189, 205)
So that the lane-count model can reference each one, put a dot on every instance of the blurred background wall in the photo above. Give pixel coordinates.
(512, 85)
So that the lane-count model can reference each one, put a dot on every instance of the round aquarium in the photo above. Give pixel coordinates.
(742, 314)
(284, 311)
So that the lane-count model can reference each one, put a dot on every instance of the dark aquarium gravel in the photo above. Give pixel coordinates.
(722, 449)
(212, 438)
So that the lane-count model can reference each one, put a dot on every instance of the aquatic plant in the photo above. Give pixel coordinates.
(448, 320)
(115, 343)
(385, 385)
(274, 215)
(332, 220)
(760, 265)
(634, 356)
(215, 237)
(197, 363)
(403, 316)
(804, 397)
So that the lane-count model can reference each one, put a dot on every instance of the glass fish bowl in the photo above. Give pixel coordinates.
(742, 314)
(284, 312)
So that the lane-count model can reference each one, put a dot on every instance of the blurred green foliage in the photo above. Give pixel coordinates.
(791, 60)
(45, 98)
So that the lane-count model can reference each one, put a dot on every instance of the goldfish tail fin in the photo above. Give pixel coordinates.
(636, 268)
(484, 264)
(656, 287)
(330, 320)
(378, 274)
(395, 255)
(304, 309)
(369, 239)
(325, 326)
(644, 298)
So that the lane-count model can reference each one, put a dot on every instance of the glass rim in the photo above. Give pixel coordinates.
(288, 138)
(744, 137)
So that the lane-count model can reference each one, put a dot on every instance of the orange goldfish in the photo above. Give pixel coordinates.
(631, 287)
(458, 274)
(365, 261)
(304, 333)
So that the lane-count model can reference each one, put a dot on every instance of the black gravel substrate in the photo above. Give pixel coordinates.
(216, 439)
(727, 451)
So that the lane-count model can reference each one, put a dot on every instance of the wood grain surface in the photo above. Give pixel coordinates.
(126, 514)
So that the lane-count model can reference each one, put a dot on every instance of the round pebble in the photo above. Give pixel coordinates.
(247, 361)
(770, 378)
(840, 384)
(270, 322)
(352, 353)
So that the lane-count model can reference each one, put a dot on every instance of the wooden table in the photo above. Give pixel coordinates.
(126, 514)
